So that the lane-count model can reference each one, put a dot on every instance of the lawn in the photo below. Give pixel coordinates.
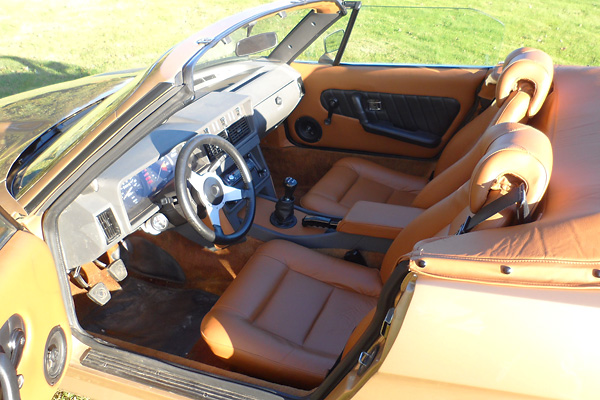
(45, 42)
(49, 41)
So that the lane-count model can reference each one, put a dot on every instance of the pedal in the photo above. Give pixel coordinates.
(78, 279)
(117, 270)
(354, 256)
(99, 294)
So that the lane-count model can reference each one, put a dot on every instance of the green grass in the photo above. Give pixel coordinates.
(67, 396)
(46, 42)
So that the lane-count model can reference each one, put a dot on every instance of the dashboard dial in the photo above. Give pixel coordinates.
(132, 191)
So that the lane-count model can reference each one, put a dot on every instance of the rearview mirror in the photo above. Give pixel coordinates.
(256, 44)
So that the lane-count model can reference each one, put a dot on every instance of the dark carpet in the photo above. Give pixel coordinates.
(162, 318)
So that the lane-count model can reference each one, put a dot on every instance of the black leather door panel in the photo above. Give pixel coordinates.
(420, 120)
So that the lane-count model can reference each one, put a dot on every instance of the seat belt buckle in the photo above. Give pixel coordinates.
(464, 227)
(522, 205)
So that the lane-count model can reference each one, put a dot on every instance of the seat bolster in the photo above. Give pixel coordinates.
(434, 221)
(514, 109)
(462, 142)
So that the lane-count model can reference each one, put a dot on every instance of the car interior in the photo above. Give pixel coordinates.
(249, 238)
(259, 233)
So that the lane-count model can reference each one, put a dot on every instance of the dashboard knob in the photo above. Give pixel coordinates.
(159, 222)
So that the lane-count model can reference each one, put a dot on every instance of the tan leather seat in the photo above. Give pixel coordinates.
(522, 87)
(289, 314)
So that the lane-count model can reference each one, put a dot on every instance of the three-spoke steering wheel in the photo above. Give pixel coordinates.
(213, 193)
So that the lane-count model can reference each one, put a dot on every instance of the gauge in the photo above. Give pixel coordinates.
(166, 165)
(132, 192)
(151, 178)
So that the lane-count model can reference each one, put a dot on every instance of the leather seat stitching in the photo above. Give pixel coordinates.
(339, 286)
(356, 177)
(267, 299)
(312, 325)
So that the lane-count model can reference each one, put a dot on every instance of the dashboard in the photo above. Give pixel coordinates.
(140, 183)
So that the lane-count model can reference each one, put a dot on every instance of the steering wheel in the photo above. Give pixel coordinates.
(212, 191)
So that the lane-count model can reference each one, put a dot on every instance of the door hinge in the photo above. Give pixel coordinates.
(387, 322)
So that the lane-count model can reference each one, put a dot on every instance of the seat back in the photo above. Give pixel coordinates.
(513, 154)
(524, 81)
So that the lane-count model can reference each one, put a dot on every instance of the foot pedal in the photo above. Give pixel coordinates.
(99, 294)
(117, 270)
(354, 256)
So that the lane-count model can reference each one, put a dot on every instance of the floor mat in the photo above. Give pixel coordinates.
(158, 317)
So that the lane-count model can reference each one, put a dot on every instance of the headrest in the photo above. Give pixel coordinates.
(529, 65)
(520, 153)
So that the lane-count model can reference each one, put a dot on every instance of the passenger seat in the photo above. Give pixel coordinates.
(291, 312)
(522, 87)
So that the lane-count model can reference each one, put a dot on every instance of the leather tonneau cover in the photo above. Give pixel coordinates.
(562, 248)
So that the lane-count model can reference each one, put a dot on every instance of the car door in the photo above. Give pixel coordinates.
(400, 87)
(34, 330)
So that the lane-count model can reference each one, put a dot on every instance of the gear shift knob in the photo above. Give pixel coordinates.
(289, 184)
(283, 216)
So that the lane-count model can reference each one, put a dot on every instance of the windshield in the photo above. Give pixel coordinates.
(67, 138)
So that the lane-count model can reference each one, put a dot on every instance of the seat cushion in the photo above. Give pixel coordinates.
(289, 313)
(353, 179)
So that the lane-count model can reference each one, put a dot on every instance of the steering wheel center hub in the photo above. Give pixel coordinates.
(213, 190)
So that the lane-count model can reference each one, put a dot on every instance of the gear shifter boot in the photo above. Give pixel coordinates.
(283, 216)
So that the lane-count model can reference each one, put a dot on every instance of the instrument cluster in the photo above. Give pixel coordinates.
(137, 191)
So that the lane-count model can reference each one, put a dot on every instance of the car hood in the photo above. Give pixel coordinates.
(25, 116)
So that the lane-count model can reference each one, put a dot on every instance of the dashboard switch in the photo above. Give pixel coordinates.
(156, 224)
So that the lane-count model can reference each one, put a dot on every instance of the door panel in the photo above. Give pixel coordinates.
(427, 88)
(30, 292)
(425, 117)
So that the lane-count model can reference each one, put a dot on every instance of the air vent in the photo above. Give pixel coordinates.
(213, 151)
(109, 225)
(237, 131)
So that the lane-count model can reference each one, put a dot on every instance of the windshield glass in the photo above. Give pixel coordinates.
(69, 138)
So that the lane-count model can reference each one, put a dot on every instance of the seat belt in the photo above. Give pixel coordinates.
(515, 197)
(482, 102)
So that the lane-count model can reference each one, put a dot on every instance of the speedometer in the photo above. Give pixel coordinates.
(132, 192)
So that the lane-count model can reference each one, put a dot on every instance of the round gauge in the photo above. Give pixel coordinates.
(132, 191)
(166, 166)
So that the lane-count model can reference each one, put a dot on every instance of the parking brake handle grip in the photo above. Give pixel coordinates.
(8, 378)
(320, 222)
(386, 128)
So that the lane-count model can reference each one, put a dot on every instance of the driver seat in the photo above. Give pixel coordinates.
(291, 312)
